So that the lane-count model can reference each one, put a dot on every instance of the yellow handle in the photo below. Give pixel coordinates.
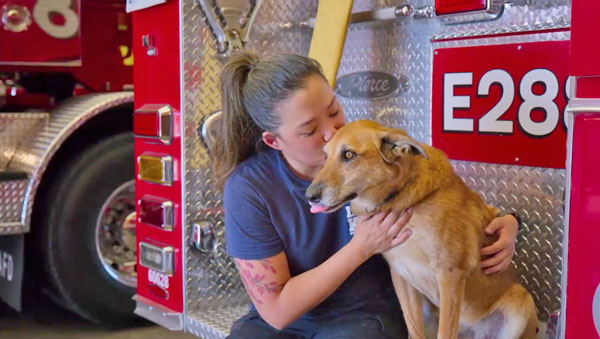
(329, 35)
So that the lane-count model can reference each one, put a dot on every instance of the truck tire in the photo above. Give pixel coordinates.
(89, 198)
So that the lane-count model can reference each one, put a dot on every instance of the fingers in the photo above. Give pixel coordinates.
(501, 267)
(401, 238)
(379, 217)
(391, 218)
(384, 230)
(493, 248)
(364, 217)
(494, 226)
(503, 242)
(400, 223)
(499, 258)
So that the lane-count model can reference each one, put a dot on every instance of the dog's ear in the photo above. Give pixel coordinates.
(395, 144)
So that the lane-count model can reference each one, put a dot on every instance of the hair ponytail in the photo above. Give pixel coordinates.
(239, 134)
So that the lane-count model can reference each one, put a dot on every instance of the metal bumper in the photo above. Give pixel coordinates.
(28, 141)
(158, 314)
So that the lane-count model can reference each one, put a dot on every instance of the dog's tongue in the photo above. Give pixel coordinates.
(317, 208)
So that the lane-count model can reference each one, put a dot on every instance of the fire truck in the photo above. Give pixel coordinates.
(509, 89)
(66, 155)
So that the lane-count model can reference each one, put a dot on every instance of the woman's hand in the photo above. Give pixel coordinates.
(503, 250)
(377, 233)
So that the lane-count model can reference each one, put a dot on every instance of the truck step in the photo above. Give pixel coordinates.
(13, 188)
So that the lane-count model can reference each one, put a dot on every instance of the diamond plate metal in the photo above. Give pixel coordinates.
(15, 129)
(33, 156)
(12, 195)
(213, 289)
(214, 323)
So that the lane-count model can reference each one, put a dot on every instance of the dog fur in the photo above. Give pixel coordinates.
(379, 168)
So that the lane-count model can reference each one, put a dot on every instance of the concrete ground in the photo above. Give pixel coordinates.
(45, 320)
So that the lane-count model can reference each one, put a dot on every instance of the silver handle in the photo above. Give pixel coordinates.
(203, 236)
(230, 21)
(208, 130)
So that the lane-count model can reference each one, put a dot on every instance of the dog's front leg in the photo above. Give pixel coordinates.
(412, 306)
(452, 291)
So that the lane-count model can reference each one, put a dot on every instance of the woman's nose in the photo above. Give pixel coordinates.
(329, 132)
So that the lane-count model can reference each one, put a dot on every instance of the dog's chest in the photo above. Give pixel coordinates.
(411, 261)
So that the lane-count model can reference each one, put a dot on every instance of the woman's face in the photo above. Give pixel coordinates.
(309, 118)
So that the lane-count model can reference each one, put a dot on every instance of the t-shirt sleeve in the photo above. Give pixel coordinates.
(249, 232)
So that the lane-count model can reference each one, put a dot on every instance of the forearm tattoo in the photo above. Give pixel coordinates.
(253, 278)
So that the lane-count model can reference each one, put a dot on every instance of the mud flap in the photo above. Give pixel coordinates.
(11, 269)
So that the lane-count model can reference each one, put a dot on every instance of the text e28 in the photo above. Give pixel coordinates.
(490, 122)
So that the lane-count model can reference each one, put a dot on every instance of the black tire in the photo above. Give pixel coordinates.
(72, 204)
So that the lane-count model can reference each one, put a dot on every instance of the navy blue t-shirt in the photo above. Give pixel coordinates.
(266, 213)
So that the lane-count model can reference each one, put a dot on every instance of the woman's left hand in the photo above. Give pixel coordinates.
(503, 250)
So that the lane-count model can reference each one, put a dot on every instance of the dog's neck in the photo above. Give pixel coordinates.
(427, 180)
(391, 196)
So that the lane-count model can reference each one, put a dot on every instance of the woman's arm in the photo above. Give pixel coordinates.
(281, 299)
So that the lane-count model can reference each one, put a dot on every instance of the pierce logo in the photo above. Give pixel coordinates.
(371, 85)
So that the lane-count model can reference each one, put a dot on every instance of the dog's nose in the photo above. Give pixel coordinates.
(315, 198)
(313, 193)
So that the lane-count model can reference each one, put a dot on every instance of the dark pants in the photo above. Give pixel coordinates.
(381, 323)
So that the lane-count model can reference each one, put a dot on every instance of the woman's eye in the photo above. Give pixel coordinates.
(334, 114)
(310, 133)
(348, 155)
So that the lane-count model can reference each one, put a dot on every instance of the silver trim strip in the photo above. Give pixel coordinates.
(578, 105)
(182, 171)
(565, 244)
(158, 314)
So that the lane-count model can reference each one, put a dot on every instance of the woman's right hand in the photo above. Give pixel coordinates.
(379, 232)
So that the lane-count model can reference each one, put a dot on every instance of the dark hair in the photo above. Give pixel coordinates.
(250, 89)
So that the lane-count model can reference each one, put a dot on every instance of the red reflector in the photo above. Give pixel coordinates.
(158, 291)
(156, 212)
(443, 7)
(154, 122)
(145, 125)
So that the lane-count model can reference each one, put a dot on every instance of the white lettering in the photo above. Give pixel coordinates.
(42, 11)
(365, 84)
(158, 278)
(490, 122)
(6, 266)
(452, 101)
(544, 101)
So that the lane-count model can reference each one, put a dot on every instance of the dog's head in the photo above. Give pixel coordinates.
(366, 163)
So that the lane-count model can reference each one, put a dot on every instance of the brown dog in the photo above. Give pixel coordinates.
(380, 168)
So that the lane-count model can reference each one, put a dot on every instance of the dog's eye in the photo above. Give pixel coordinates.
(348, 155)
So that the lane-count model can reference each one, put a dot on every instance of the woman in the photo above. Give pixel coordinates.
(306, 275)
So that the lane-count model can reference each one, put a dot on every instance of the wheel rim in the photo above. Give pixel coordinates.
(115, 235)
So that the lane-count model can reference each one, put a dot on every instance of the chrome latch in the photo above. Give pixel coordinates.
(203, 236)
(208, 130)
(230, 21)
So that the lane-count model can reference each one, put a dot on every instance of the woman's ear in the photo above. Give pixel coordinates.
(270, 139)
